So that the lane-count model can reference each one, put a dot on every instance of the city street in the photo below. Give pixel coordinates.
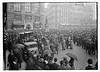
(81, 55)
(50, 36)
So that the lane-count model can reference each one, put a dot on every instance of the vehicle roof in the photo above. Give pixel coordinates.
(25, 32)
(32, 48)
(30, 43)
(21, 33)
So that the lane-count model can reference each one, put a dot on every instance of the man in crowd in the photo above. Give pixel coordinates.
(62, 66)
(67, 42)
(55, 65)
(89, 67)
(71, 63)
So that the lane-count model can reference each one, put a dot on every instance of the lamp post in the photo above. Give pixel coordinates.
(46, 21)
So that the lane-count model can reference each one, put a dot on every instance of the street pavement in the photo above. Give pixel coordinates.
(81, 55)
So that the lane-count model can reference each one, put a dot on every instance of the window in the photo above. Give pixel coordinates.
(18, 18)
(53, 19)
(61, 19)
(65, 20)
(57, 19)
(28, 17)
(60, 14)
(57, 13)
(53, 14)
(53, 9)
(37, 18)
(17, 7)
(62, 9)
(27, 9)
(58, 8)
(37, 11)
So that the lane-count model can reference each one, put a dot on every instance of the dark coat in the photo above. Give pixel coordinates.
(30, 65)
(89, 68)
(40, 64)
(67, 42)
(71, 62)
(46, 67)
(11, 60)
(52, 48)
(14, 66)
(50, 66)
(18, 54)
(62, 67)
(55, 66)
(56, 47)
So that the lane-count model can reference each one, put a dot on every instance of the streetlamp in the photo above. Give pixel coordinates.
(46, 21)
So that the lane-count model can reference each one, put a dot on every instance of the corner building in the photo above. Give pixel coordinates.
(23, 15)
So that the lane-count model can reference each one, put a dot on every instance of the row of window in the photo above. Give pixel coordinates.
(65, 14)
(72, 15)
(64, 9)
(18, 8)
(61, 20)
(17, 17)
(62, 14)
(68, 14)
(27, 17)
(65, 19)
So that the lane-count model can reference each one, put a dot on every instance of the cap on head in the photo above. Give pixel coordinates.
(55, 59)
(90, 61)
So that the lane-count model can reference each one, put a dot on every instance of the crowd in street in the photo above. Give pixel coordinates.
(49, 41)
(88, 41)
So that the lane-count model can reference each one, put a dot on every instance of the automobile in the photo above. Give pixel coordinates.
(32, 46)
(21, 34)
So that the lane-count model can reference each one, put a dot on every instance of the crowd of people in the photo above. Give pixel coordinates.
(88, 40)
(48, 41)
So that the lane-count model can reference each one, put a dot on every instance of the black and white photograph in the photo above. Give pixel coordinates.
(50, 35)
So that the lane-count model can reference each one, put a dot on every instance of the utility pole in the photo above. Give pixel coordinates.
(5, 15)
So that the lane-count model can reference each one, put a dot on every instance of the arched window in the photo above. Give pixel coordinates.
(28, 26)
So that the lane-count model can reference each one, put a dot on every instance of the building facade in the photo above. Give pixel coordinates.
(70, 15)
(25, 15)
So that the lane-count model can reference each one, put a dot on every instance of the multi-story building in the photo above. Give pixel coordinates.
(25, 15)
(70, 15)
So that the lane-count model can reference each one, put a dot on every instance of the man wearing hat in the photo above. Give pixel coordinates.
(89, 67)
